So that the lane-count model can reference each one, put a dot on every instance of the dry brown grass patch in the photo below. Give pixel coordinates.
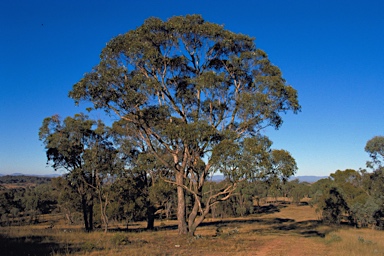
(292, 230)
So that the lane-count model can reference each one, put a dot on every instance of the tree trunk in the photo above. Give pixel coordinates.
(103, 211)
(168, 210)
(195, 219)
(181, 215)
(192, 219)
(90, 214)
(150, 217)
(68, 216)
(85, 211)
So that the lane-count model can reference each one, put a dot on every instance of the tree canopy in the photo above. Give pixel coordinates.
(375, 148)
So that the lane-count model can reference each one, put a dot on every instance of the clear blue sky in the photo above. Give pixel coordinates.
(332, 52)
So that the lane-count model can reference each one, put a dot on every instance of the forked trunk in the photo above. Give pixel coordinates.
(103, 213)
(195, 219)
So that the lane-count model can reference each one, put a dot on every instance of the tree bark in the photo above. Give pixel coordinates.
(181, 215)
(85, 212)
(192, 225)
(195, 220)
(90, 214)
(151, 217)
(103, 211)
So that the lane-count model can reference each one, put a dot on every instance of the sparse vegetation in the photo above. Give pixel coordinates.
(292, 230)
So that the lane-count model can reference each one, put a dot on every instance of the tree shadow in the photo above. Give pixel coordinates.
(138, 230)
(268, 209)
(259, 211)
(303, 228)
(267, 225)
(31, 245)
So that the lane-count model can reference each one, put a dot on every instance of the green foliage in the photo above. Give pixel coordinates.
(296, 190)
(68, 198)
(355, 195)
(375, 148)
(333, 238)
(90, 246)
(364, 213)
(334, 208)
(120, 239)
(26, 203)
(82, 147)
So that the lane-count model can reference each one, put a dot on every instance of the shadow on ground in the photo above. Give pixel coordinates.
(305, 228)
(267, 225)
(259, 211)
(31, 245)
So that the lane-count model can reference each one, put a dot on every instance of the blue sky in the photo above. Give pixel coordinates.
(332, 52)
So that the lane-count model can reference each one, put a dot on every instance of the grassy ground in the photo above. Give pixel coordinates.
(286, 230)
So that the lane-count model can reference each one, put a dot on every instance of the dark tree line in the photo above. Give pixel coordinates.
(24, 204)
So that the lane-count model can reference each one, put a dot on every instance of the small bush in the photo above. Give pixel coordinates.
(333, 238)
(120, 239)
(88, 247)
(364, 241)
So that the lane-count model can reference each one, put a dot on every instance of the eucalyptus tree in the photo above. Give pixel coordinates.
(102, 160)
(192, 90)
(80, 146)
(375, 149)
(67, 198)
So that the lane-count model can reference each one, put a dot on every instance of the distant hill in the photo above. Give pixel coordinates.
(53, 175)
(216, 178)
(16, 174)
(309, 179)
(23, 180)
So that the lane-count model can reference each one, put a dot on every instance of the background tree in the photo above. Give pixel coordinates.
(78, 147)
(143, 171)
(38, 200)
(67, 199)
(334, 207)
(296, 190)
(346, 193)
(101, 160)
(6, 204)
(375, 149)
(192, 90)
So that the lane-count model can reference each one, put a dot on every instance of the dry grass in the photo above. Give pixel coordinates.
(355, 242)
(290, 230)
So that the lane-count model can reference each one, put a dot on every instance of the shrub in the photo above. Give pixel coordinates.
(120, 239)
